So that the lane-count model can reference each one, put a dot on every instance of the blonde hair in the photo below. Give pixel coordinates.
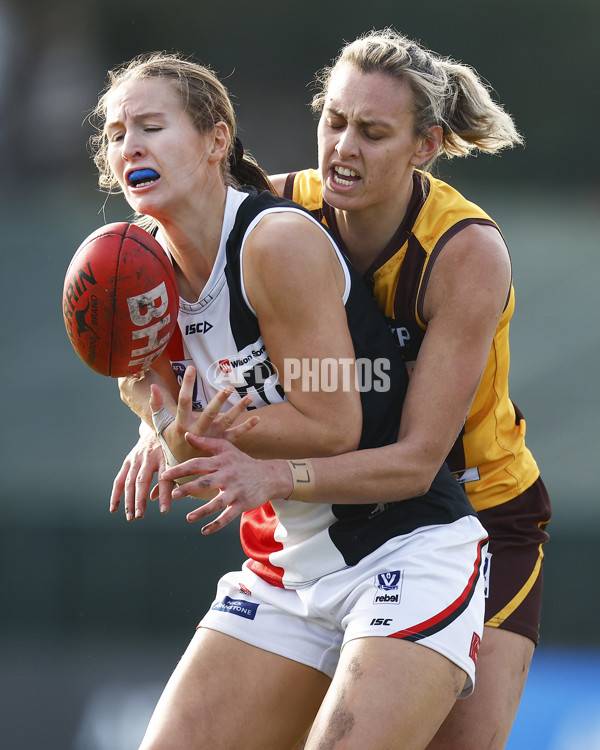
(204, 98)
(446, 92)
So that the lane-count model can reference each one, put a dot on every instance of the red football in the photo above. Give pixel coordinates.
(120, 300)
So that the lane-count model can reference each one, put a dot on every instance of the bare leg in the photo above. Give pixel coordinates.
(386, 693)
(484, 720)
(225, 694)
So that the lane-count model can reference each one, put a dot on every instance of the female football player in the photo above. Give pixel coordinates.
(360, 618)
(441, 273)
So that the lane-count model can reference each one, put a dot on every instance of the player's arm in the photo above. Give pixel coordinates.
(466, 296)
(467, 293)
(295, 284)
(278, 182)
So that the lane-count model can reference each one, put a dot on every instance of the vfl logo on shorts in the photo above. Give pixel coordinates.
(389, 587)
(239, 607)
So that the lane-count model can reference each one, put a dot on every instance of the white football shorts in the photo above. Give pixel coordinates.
(425, 587)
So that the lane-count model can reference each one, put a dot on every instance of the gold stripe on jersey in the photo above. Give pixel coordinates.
(497, 620)
(490, 455)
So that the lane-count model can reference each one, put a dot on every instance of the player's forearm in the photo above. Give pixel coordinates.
(377, 475)
(285, 432)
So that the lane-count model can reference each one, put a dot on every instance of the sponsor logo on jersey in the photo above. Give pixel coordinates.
(402, 334)
(250, 373)
(388, 581)
(389, 587)
(202, 327)
(239, 607)
(468, 475)
(381, 621)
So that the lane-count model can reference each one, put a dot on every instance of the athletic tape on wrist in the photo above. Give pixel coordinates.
(303, 479)
(161, 419)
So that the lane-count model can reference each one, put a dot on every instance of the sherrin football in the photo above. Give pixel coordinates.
(120, 300)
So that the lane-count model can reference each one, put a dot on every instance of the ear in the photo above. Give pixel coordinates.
(220, 143)
(427, 146)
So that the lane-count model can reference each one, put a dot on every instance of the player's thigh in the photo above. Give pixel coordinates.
(226, 694)
(485, 718)
(386, 693)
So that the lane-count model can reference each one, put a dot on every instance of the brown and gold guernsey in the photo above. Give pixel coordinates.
(490, 456)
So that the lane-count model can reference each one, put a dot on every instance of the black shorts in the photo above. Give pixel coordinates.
(517, 531)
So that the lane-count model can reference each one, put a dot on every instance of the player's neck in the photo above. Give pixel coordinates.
(194, 244)
(367, 233)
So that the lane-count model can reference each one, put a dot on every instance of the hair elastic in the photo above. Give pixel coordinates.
(237, 154)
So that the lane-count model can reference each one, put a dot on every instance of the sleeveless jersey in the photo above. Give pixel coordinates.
(490, 456)
(292, 543)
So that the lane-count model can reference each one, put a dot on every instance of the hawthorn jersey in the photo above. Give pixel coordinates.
(292, 543)
(490, 456)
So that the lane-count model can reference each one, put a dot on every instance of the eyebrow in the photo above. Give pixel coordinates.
(137, 118)
(363, 120)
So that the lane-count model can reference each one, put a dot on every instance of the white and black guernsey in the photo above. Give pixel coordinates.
(291, 543)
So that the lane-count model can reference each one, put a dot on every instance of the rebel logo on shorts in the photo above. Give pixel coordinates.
(389, 587)
(239, 607)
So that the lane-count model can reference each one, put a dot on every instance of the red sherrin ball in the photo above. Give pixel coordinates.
(120, 300)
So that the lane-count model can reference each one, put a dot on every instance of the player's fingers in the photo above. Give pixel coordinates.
(162, 491)
(211, 412)
(226, 419)
(142, 489)
(156, 398)
(202, 485)
(215, 505)
(186, 393)
(234, 433)
(227, 516)
(129, 496)
(118, 488)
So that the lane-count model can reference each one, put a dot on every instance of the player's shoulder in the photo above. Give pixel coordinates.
(288, 232)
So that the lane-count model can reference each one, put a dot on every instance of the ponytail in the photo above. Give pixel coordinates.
(471, 119)
(245, 171)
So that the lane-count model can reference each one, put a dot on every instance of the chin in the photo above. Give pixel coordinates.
(337, 199)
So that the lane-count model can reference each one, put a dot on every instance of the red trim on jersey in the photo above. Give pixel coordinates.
(175, 346)
(257, 533)
(446, 616)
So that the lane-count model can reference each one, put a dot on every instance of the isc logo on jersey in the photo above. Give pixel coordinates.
(389, 587)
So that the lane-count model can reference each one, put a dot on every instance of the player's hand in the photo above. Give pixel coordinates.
(244, 483)
(210, 422)
(134, 391)
(134, 478)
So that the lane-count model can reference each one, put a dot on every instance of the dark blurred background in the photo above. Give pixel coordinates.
(94, 611)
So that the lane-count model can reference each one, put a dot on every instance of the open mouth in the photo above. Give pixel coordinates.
(142, 177)
(344, 176)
